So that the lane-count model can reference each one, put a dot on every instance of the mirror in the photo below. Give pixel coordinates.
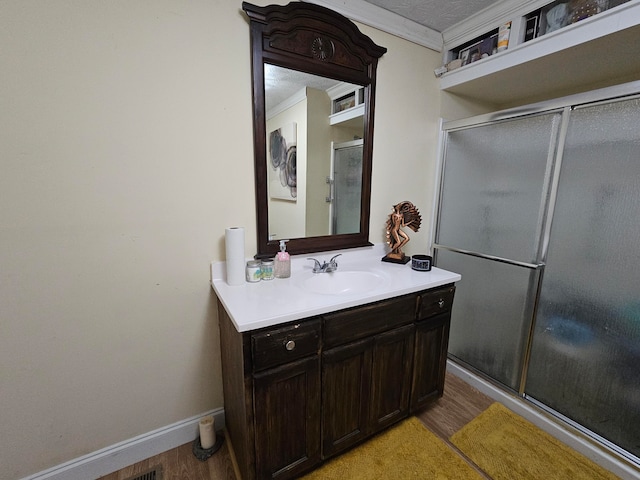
(315, 132)
(313, 100)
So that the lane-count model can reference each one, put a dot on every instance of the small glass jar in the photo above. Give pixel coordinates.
(253, 271)
(267, 269)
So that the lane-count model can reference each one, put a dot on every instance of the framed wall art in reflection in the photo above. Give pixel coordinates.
(282, 162)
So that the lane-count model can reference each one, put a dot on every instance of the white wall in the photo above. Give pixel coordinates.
(126, 149)
(317, 214)
(287, 217)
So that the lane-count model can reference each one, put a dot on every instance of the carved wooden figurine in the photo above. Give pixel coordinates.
(405, 214)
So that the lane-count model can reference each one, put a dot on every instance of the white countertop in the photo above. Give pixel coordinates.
(268, 303)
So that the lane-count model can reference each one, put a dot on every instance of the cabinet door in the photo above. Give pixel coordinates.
(430, 360)
(391, 377)
(346, 375)
(287, 419)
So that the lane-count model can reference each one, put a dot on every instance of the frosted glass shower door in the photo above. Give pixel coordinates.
(495, 182)
(347, 175)
(491, 317)
(493, 201)
(585, 357)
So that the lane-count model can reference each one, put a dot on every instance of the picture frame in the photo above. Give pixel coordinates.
(531, 27)
(344, 103)
(464, 56)
(282, 162)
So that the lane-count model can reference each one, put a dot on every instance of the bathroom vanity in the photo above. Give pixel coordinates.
(308, 375)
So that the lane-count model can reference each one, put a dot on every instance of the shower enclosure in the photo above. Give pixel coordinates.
(539, 211)
(347, 187)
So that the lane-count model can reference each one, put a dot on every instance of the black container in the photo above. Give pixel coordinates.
(421, 263)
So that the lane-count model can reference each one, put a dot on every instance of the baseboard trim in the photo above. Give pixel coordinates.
(110, 459)
(566, 434)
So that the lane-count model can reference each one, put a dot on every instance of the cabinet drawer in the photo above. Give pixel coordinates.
(360, 322)
(285, 344)
(435, 302)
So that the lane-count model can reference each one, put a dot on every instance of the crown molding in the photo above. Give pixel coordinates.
(381, 19)
(294, 99)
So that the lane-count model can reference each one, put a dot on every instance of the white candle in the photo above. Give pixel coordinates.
(207, 432)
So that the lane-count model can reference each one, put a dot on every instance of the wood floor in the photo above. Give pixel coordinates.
(459, 405)
(180, 464)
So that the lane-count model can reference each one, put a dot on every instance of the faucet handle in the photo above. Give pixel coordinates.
(317, 267)
(333, 260)
(332, 265)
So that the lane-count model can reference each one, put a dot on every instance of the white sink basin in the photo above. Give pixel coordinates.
(343, 282)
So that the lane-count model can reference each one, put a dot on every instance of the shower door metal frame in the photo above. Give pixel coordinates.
(543, 227)
(332, 199)
(565, 105)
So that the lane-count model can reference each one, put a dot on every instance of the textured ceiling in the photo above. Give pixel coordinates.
(435, 14)
(281, 83)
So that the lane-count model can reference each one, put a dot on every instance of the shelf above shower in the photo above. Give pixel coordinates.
(599, 51)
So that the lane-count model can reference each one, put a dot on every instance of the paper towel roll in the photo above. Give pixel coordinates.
(234, 246)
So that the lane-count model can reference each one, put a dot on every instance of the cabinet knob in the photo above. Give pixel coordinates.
(441, 303)
(290, 345)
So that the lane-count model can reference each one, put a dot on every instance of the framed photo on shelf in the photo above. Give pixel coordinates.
(470, 54)
(464, 56)
(531, 27)
(343, 103)
(474, 54)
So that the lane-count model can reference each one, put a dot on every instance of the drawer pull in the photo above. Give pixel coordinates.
(441, 303)
(290, 345)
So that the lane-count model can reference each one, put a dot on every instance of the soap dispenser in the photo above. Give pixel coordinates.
(282, 264)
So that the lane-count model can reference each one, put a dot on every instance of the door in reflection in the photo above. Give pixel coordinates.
(347, 187)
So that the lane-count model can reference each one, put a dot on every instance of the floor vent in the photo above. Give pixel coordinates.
(154, 473)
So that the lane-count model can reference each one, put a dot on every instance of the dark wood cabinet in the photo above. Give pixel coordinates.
(365, 388)
(271, 381)
(299, 393)
(287, 418)
(432, 339)
(366, 367)
(391, 377)
(346, 386)
(431, 345)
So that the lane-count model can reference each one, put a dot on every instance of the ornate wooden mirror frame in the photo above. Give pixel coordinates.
(312, 39)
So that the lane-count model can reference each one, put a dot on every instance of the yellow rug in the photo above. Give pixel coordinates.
(508, 447)
(407, 451)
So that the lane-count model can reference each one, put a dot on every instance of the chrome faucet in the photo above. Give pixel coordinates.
(325, 267)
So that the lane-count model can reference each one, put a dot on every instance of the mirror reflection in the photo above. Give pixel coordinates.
(314, 146)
